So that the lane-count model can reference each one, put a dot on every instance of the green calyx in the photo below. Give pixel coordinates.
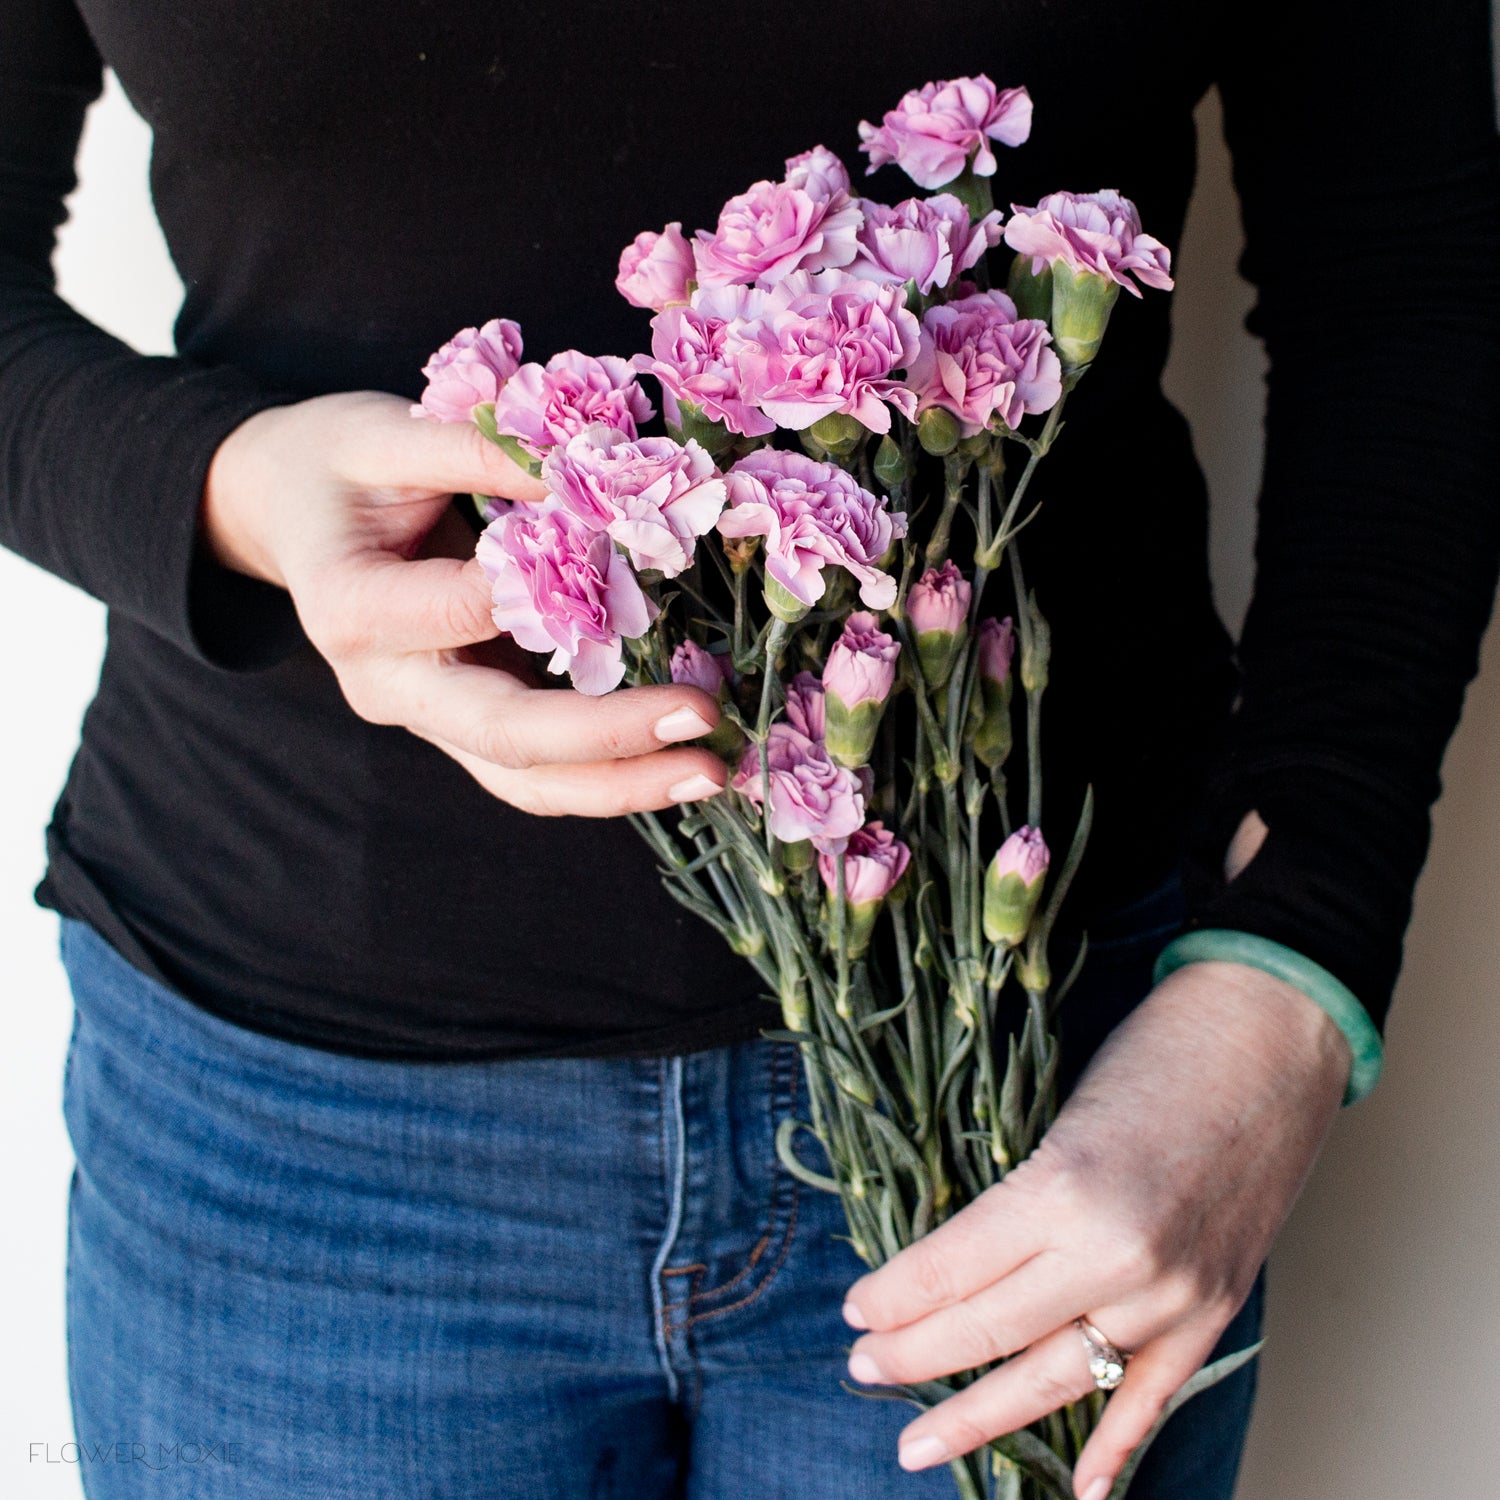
(937, 651)
(1081, 305)
(849, 733)
(1009, 905)
(838, 434)
(784, 604)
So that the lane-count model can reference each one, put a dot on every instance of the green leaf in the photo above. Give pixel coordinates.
(1208, 1376)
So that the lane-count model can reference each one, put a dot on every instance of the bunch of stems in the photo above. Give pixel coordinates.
(930, 1057)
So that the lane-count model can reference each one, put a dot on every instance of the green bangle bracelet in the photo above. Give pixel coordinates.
(1222, 945)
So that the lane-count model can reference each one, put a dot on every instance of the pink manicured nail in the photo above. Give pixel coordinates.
(922, 1453)
(695, 788)
(1097, 1490)
(864, 1369)
(854, 1317)
(681, 724)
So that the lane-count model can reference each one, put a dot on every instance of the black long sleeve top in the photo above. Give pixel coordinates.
(343, 185)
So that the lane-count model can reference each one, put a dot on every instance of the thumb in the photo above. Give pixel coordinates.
(454, 456)
(431, 604)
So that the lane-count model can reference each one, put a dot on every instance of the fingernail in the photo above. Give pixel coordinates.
(1097, 1490)
(864, 1369)
(922, 1453)
(681, 724)
(854, 1317)
(695, 788)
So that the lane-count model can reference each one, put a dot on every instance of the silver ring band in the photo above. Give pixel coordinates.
(1106, 1360)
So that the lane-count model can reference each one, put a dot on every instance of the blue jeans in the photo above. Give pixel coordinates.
(300, 1275)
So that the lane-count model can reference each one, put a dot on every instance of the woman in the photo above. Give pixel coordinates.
(424, 1146)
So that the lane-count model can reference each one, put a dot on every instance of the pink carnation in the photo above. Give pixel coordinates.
(979, 360)
(688, 356)
(805, 710)
(698, 668)
(653, 496)
(1024, 854)
(1098, 232)
(812, 514)
(820, 174)
(997, 648)
(772, 230)
(827, 343)
(861, 665)
(469, 370)
(542, 407)
(557, 584)
(935, 129)
(928, 241)
(939, 601)
(655, 269)
(811, 797)
(874, 860)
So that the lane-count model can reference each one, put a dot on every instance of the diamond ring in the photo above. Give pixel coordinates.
(1106, 1360)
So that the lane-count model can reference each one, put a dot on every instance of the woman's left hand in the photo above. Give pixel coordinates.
(1147, 1209)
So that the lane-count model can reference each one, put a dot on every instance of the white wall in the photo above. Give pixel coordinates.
(1385, 1303)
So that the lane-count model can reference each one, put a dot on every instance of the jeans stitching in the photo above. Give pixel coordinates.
(698, 1270)
(781, 1177)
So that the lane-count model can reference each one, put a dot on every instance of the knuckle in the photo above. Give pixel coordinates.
(615, 737)
(495, 742)
(967, 1430)
(931, 1278)
(1053, 1390)
(978, 1338)
(1183, 1289)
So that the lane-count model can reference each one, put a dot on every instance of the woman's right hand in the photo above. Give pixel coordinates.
(346, 502)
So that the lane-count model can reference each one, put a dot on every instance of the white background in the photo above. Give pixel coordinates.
(1379, 1375)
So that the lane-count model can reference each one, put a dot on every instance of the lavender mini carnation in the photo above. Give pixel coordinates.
(826, 344)
(469, 370)
(811, 797)
(935, 130)
(980, 360)
(819, 174)
(543, 406)
(653, 496)
(770, 231)
(690, 359)
(806, 708)
(655, 269)
(874, 860)
(557, 584)
(1098, 232)
(812, 514)
(928, 241)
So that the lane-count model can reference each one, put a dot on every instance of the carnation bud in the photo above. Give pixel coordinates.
(874, 862)
(937, 609)
(857, 681)
(1013, 886)
(938, 431)
(991, 704)
(1081, 304)
(891, 468)
(838, 434)
(1036, 650)
(699, 668)
(740, 551)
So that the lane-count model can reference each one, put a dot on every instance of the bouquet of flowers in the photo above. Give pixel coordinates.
(828, 541)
